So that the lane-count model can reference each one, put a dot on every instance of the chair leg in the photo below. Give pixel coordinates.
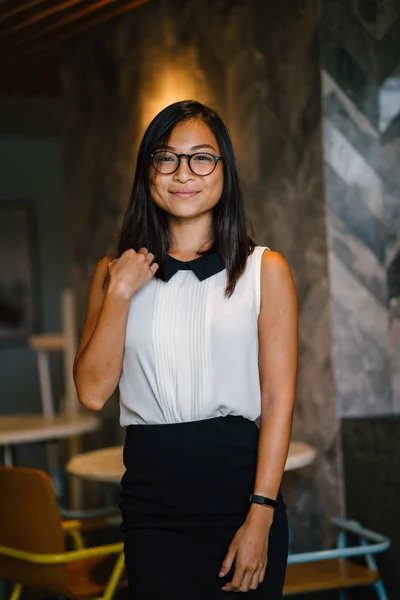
(115, 577)
(380, 590)
(16, 593)
(79, 542)
(371, 562)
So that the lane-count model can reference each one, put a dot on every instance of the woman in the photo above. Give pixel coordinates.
(198, 326)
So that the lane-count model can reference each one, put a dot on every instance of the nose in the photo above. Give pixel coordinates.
(183, 173)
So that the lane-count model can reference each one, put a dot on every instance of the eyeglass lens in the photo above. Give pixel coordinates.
(168, 162)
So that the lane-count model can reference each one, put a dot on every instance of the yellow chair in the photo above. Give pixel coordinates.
(32, 543)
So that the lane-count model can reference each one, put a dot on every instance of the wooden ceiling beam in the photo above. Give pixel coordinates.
(50, 44)
(45, 30)
(33, 68)
(25, 71)
(16, 10)
(39, 16)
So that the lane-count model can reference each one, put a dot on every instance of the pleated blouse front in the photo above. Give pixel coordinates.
(190, 352)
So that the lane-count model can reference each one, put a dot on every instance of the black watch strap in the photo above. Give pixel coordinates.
(256, 499)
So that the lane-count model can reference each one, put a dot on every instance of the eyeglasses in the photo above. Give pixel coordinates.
(201, 163)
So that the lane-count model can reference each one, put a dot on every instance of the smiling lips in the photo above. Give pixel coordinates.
(184, 194)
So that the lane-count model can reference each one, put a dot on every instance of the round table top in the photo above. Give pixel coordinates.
(21, 429)
(106, 465)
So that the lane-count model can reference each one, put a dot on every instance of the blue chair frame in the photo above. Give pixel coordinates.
(370, 543)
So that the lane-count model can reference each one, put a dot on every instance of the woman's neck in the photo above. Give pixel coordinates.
(187, 241)
(186, 255)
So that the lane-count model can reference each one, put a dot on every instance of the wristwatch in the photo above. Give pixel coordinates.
(256, 499)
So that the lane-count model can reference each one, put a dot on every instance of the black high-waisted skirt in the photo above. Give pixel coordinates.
(184, 495)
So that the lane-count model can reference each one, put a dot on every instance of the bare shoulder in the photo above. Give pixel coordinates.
(276, 277)
(101, 269)
(98, 284)
(100, 273)
(274, 264)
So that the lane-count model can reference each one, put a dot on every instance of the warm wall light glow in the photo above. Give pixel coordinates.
(171, 85)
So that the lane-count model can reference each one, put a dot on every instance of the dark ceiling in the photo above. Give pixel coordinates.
(32, 32)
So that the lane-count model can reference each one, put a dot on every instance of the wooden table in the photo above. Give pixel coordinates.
(25, 429)
(106, 465)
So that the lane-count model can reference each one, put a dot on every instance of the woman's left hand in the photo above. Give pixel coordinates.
(249, 550)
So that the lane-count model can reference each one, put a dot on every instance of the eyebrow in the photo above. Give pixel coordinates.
(192, 148)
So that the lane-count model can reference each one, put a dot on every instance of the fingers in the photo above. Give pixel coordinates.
(127, 253)
(145, 255)
(255, 581)
(235, 584)
(262, 574)
(154, 268)
(131, 253)
(149, 256)
(246, 582)
(245, 579)
(228, 561)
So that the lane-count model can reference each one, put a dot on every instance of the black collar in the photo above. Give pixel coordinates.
(203, 267)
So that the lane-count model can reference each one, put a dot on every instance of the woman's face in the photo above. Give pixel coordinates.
(183, 194)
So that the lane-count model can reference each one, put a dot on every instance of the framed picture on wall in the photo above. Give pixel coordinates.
(18, 272)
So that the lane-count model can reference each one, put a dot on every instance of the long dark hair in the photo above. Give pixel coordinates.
(146, 225)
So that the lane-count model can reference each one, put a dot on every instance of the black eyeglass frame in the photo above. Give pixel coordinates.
(189, 158)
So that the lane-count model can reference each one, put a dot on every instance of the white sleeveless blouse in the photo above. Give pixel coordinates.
(190, 352)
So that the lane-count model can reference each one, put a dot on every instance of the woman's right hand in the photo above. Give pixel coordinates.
(130, 272)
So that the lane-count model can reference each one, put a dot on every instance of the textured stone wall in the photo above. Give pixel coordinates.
(257, 63)
(361, 87)
(361, 90)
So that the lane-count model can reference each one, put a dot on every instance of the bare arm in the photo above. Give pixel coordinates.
(98, 362)
(278, 351)
(278, 346)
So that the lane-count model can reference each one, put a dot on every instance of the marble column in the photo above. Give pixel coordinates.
(361, 89)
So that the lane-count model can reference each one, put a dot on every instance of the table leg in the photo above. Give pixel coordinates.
(75, 483)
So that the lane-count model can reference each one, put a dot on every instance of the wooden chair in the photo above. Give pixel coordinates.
(32, 543)
(332, 570)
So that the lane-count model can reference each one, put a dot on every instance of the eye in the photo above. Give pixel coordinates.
(163, 157)
(203, 158)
